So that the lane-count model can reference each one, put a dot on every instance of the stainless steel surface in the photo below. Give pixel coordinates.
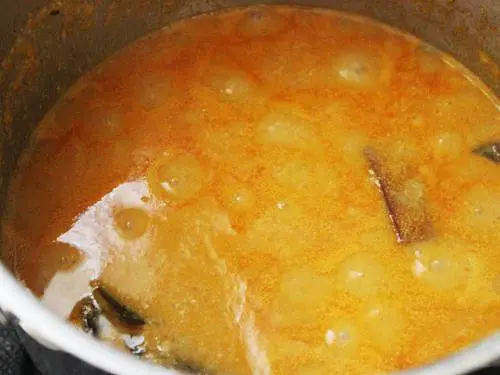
(46, 45)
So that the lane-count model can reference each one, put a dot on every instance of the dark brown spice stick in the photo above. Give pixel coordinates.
(410, 224)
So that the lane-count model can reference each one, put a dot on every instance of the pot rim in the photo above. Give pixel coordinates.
(50, 330)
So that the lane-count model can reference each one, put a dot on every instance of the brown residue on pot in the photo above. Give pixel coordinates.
(21, 66)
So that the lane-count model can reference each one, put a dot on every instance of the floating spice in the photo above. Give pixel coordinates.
(116, 312)
(408, 218)
(490, 151)
(86, 315)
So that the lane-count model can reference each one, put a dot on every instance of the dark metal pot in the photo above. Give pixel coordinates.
(46, 45)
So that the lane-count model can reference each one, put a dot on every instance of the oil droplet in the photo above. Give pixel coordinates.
(176, 179)
(131, 223)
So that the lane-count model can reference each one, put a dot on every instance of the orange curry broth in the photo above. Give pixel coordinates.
(212, 177)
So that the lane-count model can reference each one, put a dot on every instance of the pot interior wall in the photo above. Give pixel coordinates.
(53, 43)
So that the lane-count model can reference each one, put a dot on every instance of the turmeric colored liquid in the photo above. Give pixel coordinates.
(214, 177)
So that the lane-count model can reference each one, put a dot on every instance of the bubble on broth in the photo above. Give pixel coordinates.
(178, 178)
(342, 336)
(448, 146)
(362, 69)
(288, 129)
(441, 265)
(360, 274)
(132, 222)
(237, 197)
(233, 85)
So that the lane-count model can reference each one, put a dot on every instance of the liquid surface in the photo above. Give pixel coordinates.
(270, 190)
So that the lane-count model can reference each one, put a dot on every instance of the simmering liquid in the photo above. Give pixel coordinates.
(269, 190)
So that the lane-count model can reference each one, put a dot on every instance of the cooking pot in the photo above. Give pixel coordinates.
(46, 45)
